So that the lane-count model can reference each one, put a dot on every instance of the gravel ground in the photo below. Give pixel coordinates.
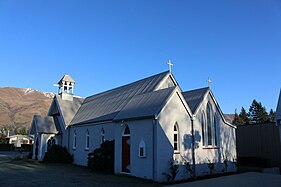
(33, 173)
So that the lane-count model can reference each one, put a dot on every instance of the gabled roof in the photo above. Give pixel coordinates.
(195, 97)
(43, 124)
(105, 106)
(66, 78)
(67, 109)
(145, 105)
(278, 109)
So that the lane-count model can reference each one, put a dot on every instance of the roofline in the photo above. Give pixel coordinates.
(179, 93)
(209, 91)
(87, 123)
(169, 74)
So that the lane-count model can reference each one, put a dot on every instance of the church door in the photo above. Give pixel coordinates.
(36, 149)
(126, 142)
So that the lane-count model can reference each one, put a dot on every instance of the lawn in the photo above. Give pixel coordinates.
(33, 173)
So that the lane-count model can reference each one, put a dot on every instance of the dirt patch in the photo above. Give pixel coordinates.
(33, 173)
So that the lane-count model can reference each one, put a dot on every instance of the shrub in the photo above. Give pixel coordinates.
(173, 170)
(58, 154)
(102, 158)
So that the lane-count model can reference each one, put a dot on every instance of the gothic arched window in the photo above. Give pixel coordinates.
(102, 135)
(87, 140)
(176, 138)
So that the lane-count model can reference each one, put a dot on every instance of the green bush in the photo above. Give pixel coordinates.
(102, 158)
(58, 154)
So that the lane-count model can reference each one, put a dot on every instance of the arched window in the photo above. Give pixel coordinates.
(74, 140)
(102, 135)
(87, 140)
(142, 149)
(51, 141)
(215, 131)
(209, 125)
(203, 125)
(176, 138)
(127, 131)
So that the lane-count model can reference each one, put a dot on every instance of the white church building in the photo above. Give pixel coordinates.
(151, 120)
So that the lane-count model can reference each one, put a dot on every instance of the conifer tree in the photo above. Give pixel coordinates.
(271, 115)
(257, 113)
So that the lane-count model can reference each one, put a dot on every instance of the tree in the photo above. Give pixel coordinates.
(242, 118)
(271, 115)
(257, 113)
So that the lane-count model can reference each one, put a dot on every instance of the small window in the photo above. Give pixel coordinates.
(176, 138)
(127, 131)
(142, 149)
(102, 136)
(74, 140)
(87, 140)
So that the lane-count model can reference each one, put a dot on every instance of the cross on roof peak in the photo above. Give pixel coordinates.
(170, 65)
(209, 81)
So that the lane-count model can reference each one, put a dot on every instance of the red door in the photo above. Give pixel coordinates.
(126, 154)
(36, 149)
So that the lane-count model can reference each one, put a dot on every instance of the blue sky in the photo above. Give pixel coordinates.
(105, 44)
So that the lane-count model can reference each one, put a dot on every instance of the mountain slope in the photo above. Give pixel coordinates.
(18, 105)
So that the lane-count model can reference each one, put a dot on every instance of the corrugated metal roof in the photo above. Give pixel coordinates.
(195, 97)
(105, 106)
(43, 124)
(69, 108)
(145, 105)
(66, 78)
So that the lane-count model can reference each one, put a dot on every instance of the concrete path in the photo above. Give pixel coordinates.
(251, 179)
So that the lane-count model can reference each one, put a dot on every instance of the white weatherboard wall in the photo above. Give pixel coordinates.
(140, 130)
(80, 154)
(173, 112)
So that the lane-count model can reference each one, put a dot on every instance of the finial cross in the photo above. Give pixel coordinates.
(209, 82)
(170, 65)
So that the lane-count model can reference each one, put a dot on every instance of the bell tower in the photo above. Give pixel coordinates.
(66, 87)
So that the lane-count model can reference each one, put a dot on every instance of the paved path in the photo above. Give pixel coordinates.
(6, 156)
(251, 179)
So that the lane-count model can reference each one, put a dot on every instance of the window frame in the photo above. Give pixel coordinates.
(176, 134)
(87, 145)
(74, 143)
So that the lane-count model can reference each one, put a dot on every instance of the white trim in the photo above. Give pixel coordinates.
(176, 91)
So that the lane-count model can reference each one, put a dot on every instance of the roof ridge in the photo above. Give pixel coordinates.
(103, 92)
(208, 88)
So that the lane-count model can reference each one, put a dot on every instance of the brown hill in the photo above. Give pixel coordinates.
(18, 105)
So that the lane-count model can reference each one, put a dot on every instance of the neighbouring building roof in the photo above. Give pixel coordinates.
(43, 124)
(66, 78)
(229, 117)
(69, 108)
(106, 106)
(195, 97)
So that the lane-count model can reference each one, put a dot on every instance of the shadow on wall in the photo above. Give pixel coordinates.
(187, 140)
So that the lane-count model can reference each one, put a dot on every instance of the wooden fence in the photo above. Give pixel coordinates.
(261, 141)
